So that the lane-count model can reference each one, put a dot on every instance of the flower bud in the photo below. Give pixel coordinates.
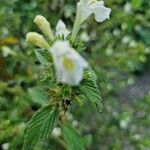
(61, 29)
(44, 26)
(37, 39)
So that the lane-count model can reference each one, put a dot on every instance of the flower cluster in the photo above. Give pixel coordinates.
(69, 64)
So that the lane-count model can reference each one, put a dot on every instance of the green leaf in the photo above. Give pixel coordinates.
(43, 56)
(90, 75)
(72, 138)
(76, 44)
(38, 95)
(90, 89)
(40, 126)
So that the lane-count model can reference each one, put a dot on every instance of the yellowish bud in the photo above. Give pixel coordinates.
(37, 39)
(44, 26)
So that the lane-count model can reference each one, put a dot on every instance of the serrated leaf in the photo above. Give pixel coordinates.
(90, 89)
(72, 138)
(43, 56)
(90, 75)
(40, 126)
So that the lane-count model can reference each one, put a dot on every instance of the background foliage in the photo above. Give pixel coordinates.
(117, 49)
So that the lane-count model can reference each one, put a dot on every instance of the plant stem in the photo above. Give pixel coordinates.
(77, 24)
(59, 141)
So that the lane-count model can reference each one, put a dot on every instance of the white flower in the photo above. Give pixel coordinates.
(87, 7)
(69, 65)
(61, 29)
(101, 12)
(83, 10)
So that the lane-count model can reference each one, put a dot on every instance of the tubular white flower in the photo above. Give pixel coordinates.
(61, 29)
(83, 9)
(69, 65)
(44, 26)
(101, 12)
(37, 39)
(93, 6)
(87, 7)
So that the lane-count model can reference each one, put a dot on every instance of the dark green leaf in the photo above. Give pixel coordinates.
(40, 126)
(72, 138)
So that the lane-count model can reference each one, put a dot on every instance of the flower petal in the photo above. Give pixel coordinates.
(101, 12)
(83, 10)
(73, 78)
(60, 48)
(69, 64)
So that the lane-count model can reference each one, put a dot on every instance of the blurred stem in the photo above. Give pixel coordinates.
(60, 142)
(77, 24)
(76, 28)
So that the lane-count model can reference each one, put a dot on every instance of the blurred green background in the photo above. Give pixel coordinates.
(118, 50)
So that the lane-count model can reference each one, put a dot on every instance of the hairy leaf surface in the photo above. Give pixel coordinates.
(91, 90)
(40, 126)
